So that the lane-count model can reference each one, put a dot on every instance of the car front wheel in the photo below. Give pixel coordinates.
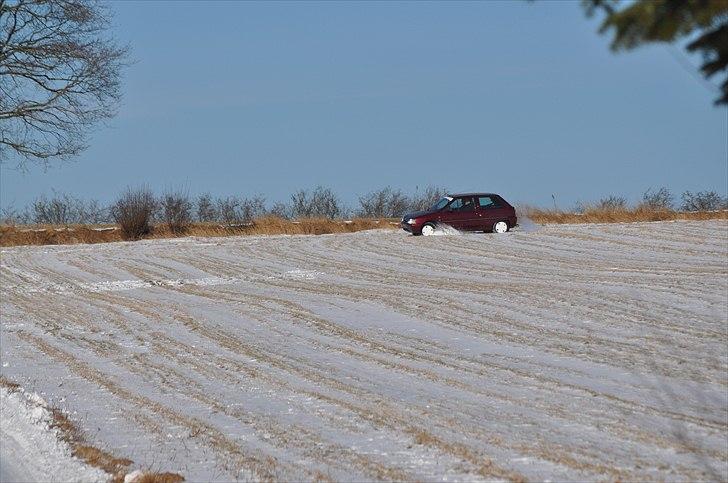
(428, 229)
(500, 227)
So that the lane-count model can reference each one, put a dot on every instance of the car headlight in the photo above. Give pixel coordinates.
(411, 221)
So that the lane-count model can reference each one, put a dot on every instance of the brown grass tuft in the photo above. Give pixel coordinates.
(101, 459)
(91, 455)
(9, 385)
(594, 215)
(424, 438)
(159, 478)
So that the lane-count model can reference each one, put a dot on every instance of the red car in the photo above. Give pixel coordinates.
(464, 211)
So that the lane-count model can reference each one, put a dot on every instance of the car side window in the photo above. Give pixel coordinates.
(455, 205)
(467, 205)
(461, 204)
(487, 202)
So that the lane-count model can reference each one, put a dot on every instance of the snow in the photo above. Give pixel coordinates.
(30, 450)
(579, 352)
(133, 476)
(446, 230)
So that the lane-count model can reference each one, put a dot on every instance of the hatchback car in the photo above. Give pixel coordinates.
(464, 211)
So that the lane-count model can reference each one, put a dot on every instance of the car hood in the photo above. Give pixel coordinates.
(416, 214)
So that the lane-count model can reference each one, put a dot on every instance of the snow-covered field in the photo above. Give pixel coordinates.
(582, 352)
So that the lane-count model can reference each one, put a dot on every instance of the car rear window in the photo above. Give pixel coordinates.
(487, 202)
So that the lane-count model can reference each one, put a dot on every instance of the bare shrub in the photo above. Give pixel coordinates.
(661, 199)
(703, 201)
(346, 211)
(300, 204)
(325, 203)
(384, 203)
(252, 208)
(64, 209)
(233, 210)
(612, 203)
(321, 203)
(280, 210)
(58, 210)
(206, 210)
(133, 211)
(424, 200)
(176, 211)
(10, 216)
(95, 213)
(228, 209)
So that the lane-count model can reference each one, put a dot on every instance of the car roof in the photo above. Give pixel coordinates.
(458, 195)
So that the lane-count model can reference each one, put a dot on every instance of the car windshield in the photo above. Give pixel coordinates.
(441, 203)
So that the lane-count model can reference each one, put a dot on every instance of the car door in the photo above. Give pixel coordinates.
(490, 210)
(459, 213)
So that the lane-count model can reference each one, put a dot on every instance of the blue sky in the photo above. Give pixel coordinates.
(521, 98)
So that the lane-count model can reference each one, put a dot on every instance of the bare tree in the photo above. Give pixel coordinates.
(206, 208)
(280, 210)
(64, 209)
(387, 203)
(425, 199)
(703, 201)
(59, 76)
(661, 199)
(176, 211)
(228, 210)
(252, 208)
(321, 203)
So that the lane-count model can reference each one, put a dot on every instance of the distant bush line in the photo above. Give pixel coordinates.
(655, 205)
(177, 208)
(138, 211)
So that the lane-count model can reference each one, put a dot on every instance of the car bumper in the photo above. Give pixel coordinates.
(415, 229)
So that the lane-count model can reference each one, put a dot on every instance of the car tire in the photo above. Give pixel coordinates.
(428, 229)
(501, 227)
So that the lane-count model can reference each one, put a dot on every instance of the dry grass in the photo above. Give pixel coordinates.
(9, 385)
(93, 456)
(68, 235)
(619, 216)
(272, 225)
(424, 438)
(50, 235)
(158, 478)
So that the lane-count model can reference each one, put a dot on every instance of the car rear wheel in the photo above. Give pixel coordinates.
(500, 227)
(428, 229)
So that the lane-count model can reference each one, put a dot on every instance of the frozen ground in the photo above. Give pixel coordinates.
(582, 352)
